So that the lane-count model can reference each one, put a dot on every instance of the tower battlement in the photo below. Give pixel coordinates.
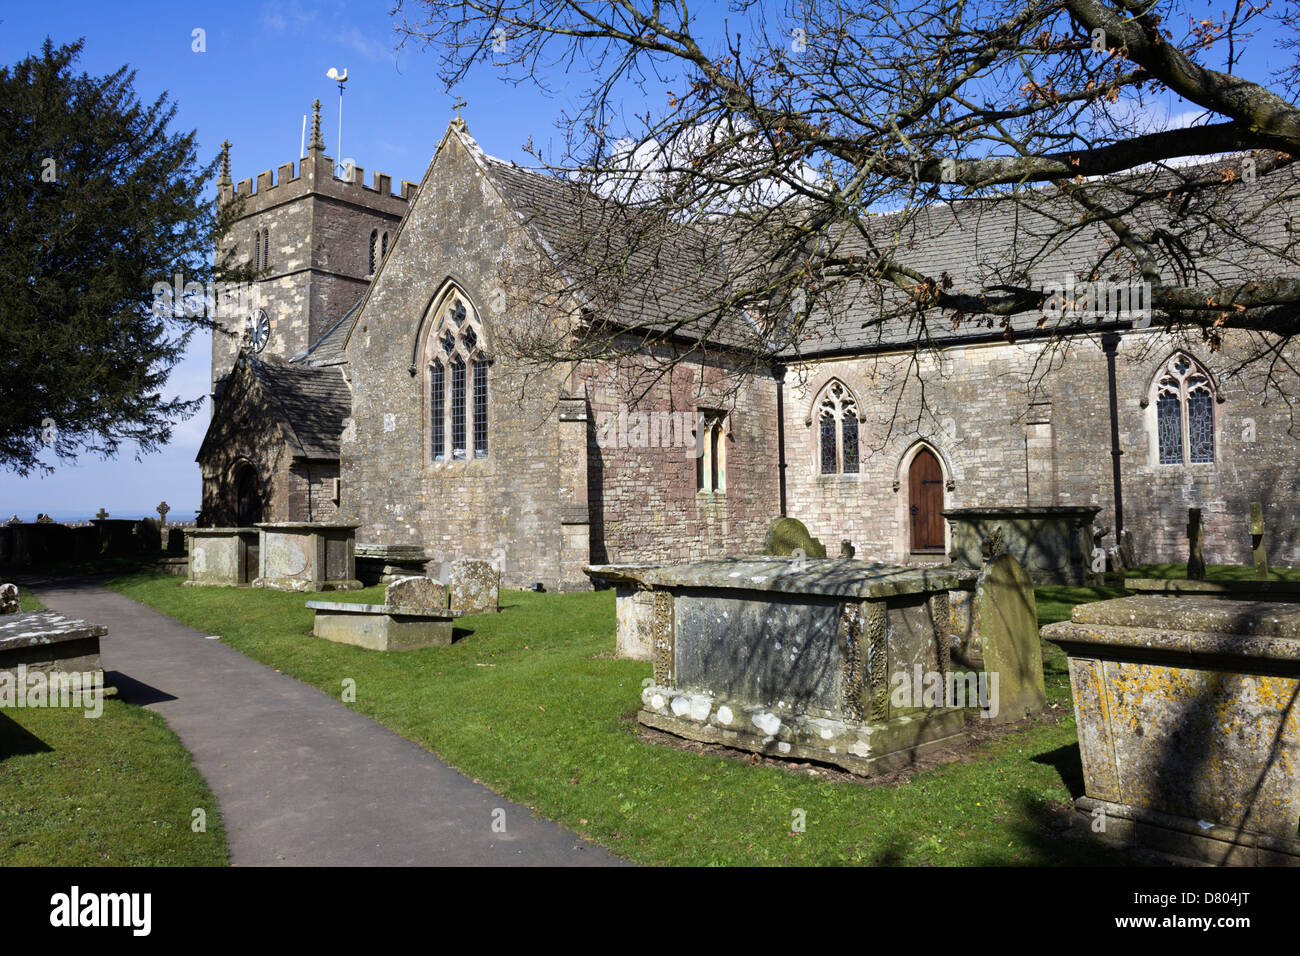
(315, 174)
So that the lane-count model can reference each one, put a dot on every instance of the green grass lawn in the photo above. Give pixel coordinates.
(532, 703)
(1213, 572)
(115, 790)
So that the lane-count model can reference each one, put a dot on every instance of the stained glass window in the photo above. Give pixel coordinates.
(1169, 418)
(1184, 413)
(1200, 424)
(828, 444)
(837, 416)
(850, 432)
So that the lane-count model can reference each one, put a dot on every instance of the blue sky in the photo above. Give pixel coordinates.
(264, 64)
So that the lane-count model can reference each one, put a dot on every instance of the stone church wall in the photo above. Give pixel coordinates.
(645, 498)
(510, 507)
(1002, 443)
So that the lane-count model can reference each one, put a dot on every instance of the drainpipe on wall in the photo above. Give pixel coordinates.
(1110, 345)
(778, 372)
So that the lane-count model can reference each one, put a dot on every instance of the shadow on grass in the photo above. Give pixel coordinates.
(16, 740)
(1067, 762)
(1049, 833)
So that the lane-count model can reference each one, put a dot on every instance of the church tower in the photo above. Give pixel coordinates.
(315, 238)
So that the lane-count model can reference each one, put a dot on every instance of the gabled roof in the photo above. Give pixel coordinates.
(307, 403)
(668, 271)
(311, 401)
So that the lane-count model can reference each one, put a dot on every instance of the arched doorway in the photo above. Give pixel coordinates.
(925, 504)
(248, 498)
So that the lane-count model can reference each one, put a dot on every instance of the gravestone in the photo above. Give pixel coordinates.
(1195, 560)
(415, 592)
(1257, 540)
(1127, 550)
(788, 536)
(9, 602)
(475, 587)
(1007, 623)
(1054, 544)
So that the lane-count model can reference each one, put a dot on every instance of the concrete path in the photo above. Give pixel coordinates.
(302, 780)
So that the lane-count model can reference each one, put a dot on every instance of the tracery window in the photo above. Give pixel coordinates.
(837, 430)
(711, 451)
(458, 385)
(1184, 398)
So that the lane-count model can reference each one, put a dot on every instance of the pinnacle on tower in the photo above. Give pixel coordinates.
(225, 164)
(317, 143)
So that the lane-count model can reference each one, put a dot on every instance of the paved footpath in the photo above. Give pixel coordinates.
(302, 780)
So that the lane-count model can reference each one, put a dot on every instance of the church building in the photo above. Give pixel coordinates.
(368, 387)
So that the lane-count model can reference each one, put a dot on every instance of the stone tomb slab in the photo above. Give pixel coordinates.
(48, 641)
(795, 657)
(383, 627)
(221, 557)
(307, 556)
(1188, 711)
(633, 608)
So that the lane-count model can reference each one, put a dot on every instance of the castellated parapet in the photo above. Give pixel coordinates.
(311, 234)
(316, 176)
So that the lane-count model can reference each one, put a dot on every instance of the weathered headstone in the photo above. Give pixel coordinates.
(1127, 550)
(416, 592)
(1257, 540)
(101, 514)
(789, 536)
(162, 510)
(846, 548)
(475, 587)
(1007, 617)
(1195, 561)
(9, 602)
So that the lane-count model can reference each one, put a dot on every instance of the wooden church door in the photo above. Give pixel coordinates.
(925, 498)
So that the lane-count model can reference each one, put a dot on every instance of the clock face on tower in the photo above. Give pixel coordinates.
(259, 329)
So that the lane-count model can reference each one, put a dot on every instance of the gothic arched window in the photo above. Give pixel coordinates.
(458, 384)
(837, 430)
(266, 248)
(1184, 399)
(257, 249)
(374, 239)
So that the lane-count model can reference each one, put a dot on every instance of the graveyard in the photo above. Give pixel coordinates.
(533, 702)
(582, 707)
